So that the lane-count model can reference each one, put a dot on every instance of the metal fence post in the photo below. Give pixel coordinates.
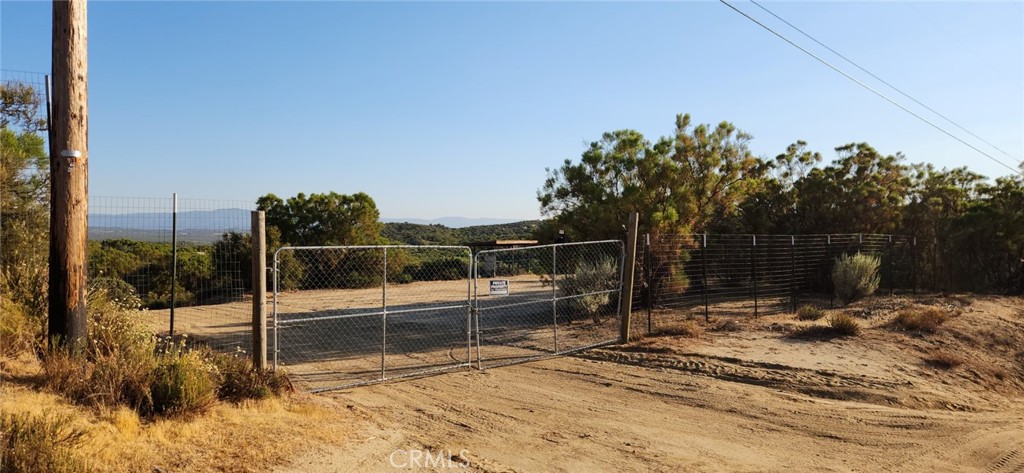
(704, 270)
(889, 268)
(828, 261)
(384, 318)
(554, 292)
(913, 264)
(792, 270)
(274, 310)
(626, 290)
(649, 280)
(753, 268)
(174, 257)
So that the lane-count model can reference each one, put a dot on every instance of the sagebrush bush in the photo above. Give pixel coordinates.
(240, 380)
(920, 320)
(843, 324)
(40, 443)
(184, 382)
(855, 276)
(590, 278)
(809, 312)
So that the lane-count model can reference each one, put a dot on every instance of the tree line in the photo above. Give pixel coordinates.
(700, 178)
(704, 178)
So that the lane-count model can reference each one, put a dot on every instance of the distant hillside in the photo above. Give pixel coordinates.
(451, 222)
(416, 234)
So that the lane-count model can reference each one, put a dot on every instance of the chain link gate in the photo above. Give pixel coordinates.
(546, 300)
(350, 315)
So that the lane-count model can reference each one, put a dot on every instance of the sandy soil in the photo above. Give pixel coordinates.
(743, 395)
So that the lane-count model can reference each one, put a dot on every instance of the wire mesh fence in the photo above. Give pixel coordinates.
(544, 300)
(24, 99)
(344, 316)
(703, 275)
(189, 264)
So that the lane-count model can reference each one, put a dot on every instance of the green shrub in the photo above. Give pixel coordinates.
(115, 365)
(117, 291)
(809, 312)
(843, 325)
(40, 443)
(925, 320)
(448, 268)
(588, 279)
(855, 277)
(184, 382)
(239, 380)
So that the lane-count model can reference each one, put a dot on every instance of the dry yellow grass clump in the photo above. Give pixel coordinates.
(249, 436)
(926, 319)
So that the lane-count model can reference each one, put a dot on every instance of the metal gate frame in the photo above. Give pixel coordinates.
(471, 304)
(554, 299)
(383, 312)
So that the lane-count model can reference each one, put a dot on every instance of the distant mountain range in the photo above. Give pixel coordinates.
(207, 225)
(453, 222)
(238, 219)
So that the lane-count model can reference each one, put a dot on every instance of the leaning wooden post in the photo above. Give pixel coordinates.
(69, 174)
(626, 307)
(259, 291)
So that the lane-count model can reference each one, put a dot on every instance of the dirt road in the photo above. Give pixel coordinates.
(673, 404)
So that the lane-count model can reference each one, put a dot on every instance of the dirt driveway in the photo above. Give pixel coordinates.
(747, 400)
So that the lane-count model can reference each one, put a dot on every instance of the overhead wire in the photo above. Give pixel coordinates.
(869, 88)
(897, 89)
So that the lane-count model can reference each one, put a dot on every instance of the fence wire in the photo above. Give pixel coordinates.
(545, 300)
(722, 275)
(190, 267)
(345, 316)
(28, 109)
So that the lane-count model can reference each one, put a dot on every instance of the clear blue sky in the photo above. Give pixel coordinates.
(442, 109)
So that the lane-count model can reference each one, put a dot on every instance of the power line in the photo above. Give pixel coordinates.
(848, 76)
(897, 89)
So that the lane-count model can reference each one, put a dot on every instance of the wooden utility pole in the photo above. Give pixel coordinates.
(626, 307)
(69, 173)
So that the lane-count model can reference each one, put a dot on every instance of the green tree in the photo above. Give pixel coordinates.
(24, 207)
(329, 220)
(689, 181)
(860, 192)
(323, 219)
(692, 180)
(771, 205)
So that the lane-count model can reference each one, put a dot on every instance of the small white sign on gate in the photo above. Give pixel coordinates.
(499, 287)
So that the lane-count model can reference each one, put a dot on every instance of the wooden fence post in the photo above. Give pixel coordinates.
(259, 290)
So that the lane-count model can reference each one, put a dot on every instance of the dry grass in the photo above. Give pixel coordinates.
(843, 324)
(920, 319)
(684, 328)
(944, 360)
(809, 312)
(839, 324)
(40, 442)
(727, 326)
(249, 436)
